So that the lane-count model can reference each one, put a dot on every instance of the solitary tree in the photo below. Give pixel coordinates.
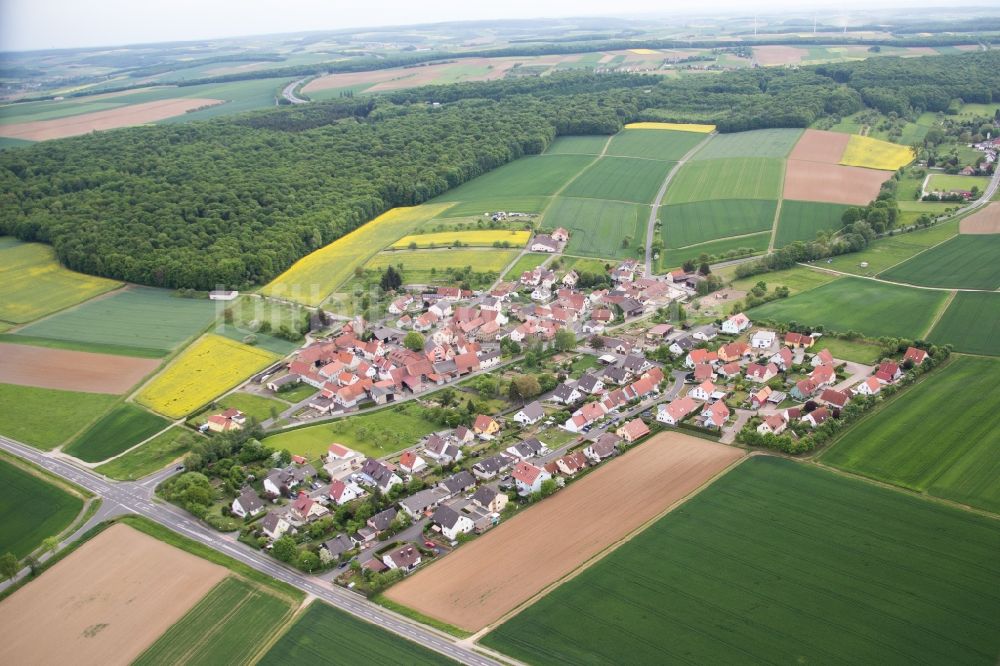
(9, 566)
(414, 341)
(565, 340)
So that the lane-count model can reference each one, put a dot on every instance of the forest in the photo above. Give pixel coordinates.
(235, 201)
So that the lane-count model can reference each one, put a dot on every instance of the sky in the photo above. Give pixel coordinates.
(42, 24)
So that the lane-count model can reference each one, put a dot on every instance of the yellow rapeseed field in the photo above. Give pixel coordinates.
(680, 127)
(484, 238)
(203, 371)
(313, 277)
(865, 151)
(643, 51)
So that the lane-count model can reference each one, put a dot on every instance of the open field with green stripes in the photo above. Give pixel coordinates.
(120, 429)
(964, 262)
(755, 143)
(31, 508)
(691, 223)
(427, 266)
(971, 323)
(737, 178)
(46, 418)
(800, 220)
(230, 625)
(620, 179)
(538, 175)
(673, 258)
(854, 304)
(487, 204)
(526, 263)
(779, 562)
(151, 456)
(665, 145)
(942, 437)
(889, 251)
(599, 228)
(577, 145)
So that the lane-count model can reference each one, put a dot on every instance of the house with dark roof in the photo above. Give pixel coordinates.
(530, 414)
(490, 499)
(603, 448)
(377, 474)
(487, 468)
(406, 558)
(451, 522)
(417, 504)
(458, 483)
(247, 504)
(381, 521)
(565, 394)
(333, 548)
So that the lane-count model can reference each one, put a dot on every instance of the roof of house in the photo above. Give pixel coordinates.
(339, 450)
(533, 411)
(719, 412)
(337, 545)
(838, 398)
(249, 501)
(485, 495)
(526, 473)
(775, 421)
(406, 556)
(458, 482)
(634, 429)
(483, 423)
(563, 392)
(915, 355)
(588, 382)
(445, 517)
(381, 520)
(679, 408)
(420, 501)
(408, 459)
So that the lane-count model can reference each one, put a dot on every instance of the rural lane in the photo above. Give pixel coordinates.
(289, 93)
(138, 498)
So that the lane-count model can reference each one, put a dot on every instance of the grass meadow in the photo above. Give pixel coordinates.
(948, 447)
(599, 228)
(850, 350)
(779, 562)
(120, 429)
(31, 509)
(620, 179)
(323, 634)
(964, 262)
(577, 145)
(886, 252)
(800, 220)
(652, 144)
(206, 369)
(34, 284)
(537, 175)
(755, 143)
(737, 178)
(702, 221)
(230, 625)
(483, 238)
(797, 279)
(417, 265)
(673, 258)
(46, 418)
(254, 406)
(971, 323)
(141, 318)
(155, 454)
(944, 182)
(853, 304)
(527, 262)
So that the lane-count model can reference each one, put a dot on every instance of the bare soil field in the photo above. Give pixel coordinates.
(984, 221)
(133, 114)
(71, 370)
(779, 55)
(486, 579)
(105, 603)
(832, 183)
(406, 77)
(820, 146)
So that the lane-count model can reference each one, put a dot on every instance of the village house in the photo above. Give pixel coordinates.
(583, 417)
(571, 463)
(914, 355)
(605, 447)
(529, 478)
(763, 339)
(761, 373)
(705, 332)
(565, 394)
(676, 411)
(796, 340)
(457, 483)
(231, 419)
(816, 417)
(488, 468)
(824, 357)
(406, 558)
(490, 499)
(486, 426)
(527, 448)
(728, 371)
(888, 372)
(544, 243)
(411, 463)
(696, 356)
(803, 389)
(451, 522)
(333, 548)
(773, 425)
(783, 358)
(274, 526)
(560, 234)
(715, 414)
(589, 383)
(247, 504)
(823, 375)
(305, 509)
(703, 391)
(377, 474)
(760, 398)
(530, 414)
(382, 520)
(736, 324)
(834, 398)
(342, 492)
(570, 279)
(440, 450)
(283, 481)
(420, 502)
(734, 351)
(633, 431)
(871, 386)
(682, 344)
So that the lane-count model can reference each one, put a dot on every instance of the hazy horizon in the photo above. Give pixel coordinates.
(30, 25)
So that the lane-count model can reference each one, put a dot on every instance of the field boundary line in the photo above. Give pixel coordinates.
(179, 422)
(291, 617)
(777, 209)
(898, 284)
(607, 550)
(716, 240)
(940, 313)
(555, 195)
(914, 256)
(123, 286)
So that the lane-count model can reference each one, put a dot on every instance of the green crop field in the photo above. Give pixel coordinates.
(800, 220)
(779, 563)
(138, 317)
(417, 265)
(324, 634)
(971, 323)
(964, 262)
(654, 144)
(673, 258)
(756, 143)
(539, 175)
(891, 250)
(738, 178)
(228, 626)
(941, 437)
(577, 145)
(514, 204)
(377, 434)
(254, 406)
(155, 454)
(599, 228)
(702, 221)
(621, 179)
(122, 428)
(31, 509)
(526, 263)
(250, 312)
(33, 283)
(797, 279)
(854, 304)
(45, 418)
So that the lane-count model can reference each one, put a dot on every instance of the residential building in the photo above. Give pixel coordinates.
(274, 525)
(247, 504)
(633, 431)
(490, 499)
(530, 414)
(736, 324)
(676, 411)
(451, 522)
(529, 478)
(406, 558)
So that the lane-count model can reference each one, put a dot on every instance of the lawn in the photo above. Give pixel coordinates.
(889, 251)
(691, 223)
(487, 204)
(964, 262)
(323, 634)
(254, 406)
(780, 563)
(537, 175)
(31, 509)
(251, 312)
(853, 304)
(525, 263)
(941, 182)
(33, 283)
(668, 145)
(154, 455)
(755, 143)
(737, 178)
(971, 323)
(797, 279)
(577, 145)
(138, 317)
(872, 153)
(203, 371)
(599, 228)
(377, 434)
(800, 220)
(425, 266)
(120, 429)
(228, 626)
(482, 238)
(673, 258)
(620, 179)
(851, 350)
(948, 448)
(45, 418)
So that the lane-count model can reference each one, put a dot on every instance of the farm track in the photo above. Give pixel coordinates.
(777, 210)
(898, 284)
(940, 313)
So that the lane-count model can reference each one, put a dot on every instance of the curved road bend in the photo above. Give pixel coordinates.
(289, 93)
(137, 497)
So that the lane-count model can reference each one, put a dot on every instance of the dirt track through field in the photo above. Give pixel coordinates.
(71, 370)
(484, 580)
(133, 114)
(105, 603)
(985, 221)
(820, 146)
(832, 183)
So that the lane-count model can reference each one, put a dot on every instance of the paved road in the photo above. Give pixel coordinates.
(138, 498)
(289, 93)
